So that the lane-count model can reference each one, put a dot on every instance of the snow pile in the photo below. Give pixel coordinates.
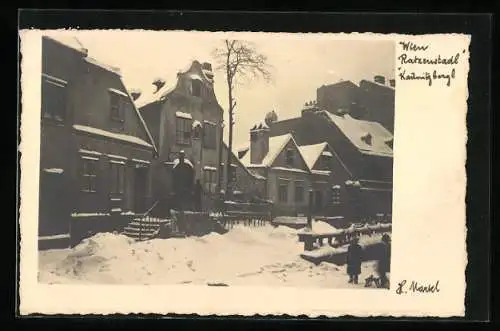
(322, 227)
(243, 256)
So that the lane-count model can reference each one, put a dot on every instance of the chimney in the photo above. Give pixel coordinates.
(392, 83)
(206, 66)
(367, 138)
(259, 143)
(379, 79)
(159, 83)
(207, 70)
(135, 94)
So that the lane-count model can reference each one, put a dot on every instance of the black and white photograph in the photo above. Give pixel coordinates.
(256, 172)
(135, 182)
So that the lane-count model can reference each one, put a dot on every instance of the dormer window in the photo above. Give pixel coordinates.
(290, 154)
(53, 98)
(367, 138)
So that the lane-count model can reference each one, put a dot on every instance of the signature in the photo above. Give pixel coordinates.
(415, 287)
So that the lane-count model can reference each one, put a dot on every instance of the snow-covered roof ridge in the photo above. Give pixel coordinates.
(276, 146)
(67, 40)
(141, 119)
(355, 129)
(163, 93)
(102, 65)
(113, 135)
(243, 165)
(311, 153)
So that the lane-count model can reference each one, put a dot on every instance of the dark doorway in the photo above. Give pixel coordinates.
(183, 182)
(54, 218)
(140, 188)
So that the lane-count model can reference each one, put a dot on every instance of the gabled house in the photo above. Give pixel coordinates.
(279, 161)
(364, 148)
(95, 149)
(185, 116)
(328, 174)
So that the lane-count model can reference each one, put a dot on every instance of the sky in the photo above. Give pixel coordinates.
(299, 65)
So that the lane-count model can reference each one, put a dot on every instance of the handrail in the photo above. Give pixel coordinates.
(146, 213)
(150, 209)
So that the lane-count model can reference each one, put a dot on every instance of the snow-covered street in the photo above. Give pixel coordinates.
(244, 256)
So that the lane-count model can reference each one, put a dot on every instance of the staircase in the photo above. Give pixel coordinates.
(146, 227)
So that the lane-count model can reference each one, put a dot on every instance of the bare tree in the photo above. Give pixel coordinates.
(240, 61)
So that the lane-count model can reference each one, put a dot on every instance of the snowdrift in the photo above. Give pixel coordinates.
(244, 256)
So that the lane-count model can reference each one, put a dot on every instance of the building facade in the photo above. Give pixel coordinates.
(185, 117)
(278, 160)
(363, 157)
(369, 100)
(95, 149)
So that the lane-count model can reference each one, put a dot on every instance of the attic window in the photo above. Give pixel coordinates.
(196, 87)
(367, 138)
(390, 143)
(289, 157)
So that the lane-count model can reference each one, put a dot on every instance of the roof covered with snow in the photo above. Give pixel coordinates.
(276, 145)
(112, 135)
(67, 40)
(243, 165)
(311, 153)
(194, 71)
(355, 130)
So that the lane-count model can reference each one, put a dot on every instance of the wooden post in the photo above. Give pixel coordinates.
(308, 243)
(310, 210)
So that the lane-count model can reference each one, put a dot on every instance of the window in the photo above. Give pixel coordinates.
(118, 105)
(210, 179)
(196, 87)
(232, 173)
(289, 157)
(209, 135)
(324, 162)
(89, 174)
(283, 193)
(183, 131)
(299, 192)
(117, 177)
(54, 99)
(336, 194)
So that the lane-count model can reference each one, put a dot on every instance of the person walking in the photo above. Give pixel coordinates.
(354, 257)
(384, 262)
